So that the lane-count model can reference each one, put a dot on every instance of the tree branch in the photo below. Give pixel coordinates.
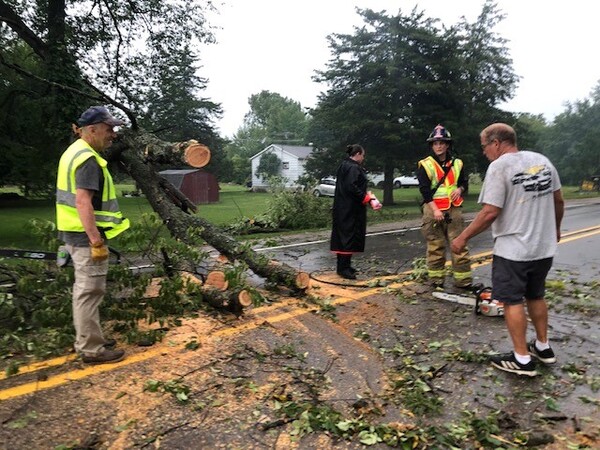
(101, 98)
(11, 18)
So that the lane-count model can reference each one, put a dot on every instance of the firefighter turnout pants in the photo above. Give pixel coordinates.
(438, 236)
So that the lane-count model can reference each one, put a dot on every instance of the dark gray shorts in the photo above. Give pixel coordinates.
(513, 281)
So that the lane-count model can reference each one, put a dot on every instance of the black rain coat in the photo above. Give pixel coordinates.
(349, 213)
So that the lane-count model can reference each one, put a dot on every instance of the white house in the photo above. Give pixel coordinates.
(292, 157)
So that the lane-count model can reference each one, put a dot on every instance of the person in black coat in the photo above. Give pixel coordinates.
(350, 210)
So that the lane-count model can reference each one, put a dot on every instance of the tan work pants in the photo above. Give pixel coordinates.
(438, 236)
(88, 292)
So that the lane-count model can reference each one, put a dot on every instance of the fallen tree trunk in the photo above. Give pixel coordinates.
(215, 294)
(178, 223)
(151, 149)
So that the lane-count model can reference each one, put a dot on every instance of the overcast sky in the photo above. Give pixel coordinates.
(277, 45)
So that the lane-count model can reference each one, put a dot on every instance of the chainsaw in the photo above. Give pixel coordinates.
(61, 256)
(482, 301)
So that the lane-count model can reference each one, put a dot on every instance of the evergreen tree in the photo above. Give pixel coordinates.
(398, 76)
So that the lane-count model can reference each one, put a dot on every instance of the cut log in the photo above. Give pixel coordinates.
(151, 149)
(303, 280)
(233, 301)
(196, 154)
(216, 279)
(244, 298)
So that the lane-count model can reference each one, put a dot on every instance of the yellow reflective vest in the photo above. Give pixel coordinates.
(108, 218)
(435, 172)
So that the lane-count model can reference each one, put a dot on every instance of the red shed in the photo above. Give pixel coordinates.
(197, 185)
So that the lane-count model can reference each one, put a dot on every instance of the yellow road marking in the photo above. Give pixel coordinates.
(163, 349)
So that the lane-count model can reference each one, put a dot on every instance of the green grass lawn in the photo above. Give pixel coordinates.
(234, 203)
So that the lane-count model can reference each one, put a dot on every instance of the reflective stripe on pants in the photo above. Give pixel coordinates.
(438, 236)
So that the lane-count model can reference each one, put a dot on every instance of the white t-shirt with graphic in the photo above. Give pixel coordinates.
(522, 184)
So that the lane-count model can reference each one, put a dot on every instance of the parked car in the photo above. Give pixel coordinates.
(326, 187)
(375, 179)
(406, 181)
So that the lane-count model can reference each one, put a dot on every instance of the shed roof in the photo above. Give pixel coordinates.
(175, 176)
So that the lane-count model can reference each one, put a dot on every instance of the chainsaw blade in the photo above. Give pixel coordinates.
(455, 298)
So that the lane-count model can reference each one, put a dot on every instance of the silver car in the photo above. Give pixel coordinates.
(326, 187)
(406, 181)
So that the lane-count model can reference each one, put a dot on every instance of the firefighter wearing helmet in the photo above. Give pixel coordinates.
(443, 184)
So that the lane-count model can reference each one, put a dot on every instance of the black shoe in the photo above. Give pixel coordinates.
(509, 363)
(436, 282)
(353, 270)
(546, 356)
(106, 357)
(348, 274)
(109, 343)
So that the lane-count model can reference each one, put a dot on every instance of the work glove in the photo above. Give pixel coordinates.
(99, 251)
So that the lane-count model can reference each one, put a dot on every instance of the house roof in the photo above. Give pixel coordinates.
(298, 151)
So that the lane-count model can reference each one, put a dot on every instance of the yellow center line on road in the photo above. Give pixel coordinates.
(64, 378)
(60, 379)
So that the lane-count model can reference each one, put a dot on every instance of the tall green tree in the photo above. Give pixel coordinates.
(272, 119)
(486, 79)
(571, 140)
(398, 76)
(176, 111)
(80, 53)
(380, 79)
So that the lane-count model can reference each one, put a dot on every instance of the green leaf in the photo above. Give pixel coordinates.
(182, 397)
(551, 404)
(192, 345)
(368, 438)
(344, 425)
(152, 385)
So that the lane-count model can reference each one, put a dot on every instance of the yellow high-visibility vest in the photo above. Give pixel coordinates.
(108, 218)
(435, 172)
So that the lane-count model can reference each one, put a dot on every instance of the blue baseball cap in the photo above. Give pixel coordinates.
(98, 114)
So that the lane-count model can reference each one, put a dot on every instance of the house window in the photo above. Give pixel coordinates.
(286, 165)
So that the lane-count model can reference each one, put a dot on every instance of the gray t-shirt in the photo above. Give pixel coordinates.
(522, 184)
(87, 176)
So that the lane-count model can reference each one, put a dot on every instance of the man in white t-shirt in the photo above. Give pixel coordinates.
(523, 203)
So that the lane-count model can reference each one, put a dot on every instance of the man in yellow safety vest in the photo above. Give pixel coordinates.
(87, 213)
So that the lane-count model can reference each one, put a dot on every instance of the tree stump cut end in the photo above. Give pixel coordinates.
(197, 155)
(217, 280)
(244, 298)
(303, 280)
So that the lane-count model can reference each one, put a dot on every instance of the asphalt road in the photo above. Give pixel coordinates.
(380, 352)
(391, 248)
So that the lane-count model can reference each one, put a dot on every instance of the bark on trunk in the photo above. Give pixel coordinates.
(234, 300)
(178, 222)
(156, 151)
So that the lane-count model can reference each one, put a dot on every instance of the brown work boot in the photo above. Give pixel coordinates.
(106, 357)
